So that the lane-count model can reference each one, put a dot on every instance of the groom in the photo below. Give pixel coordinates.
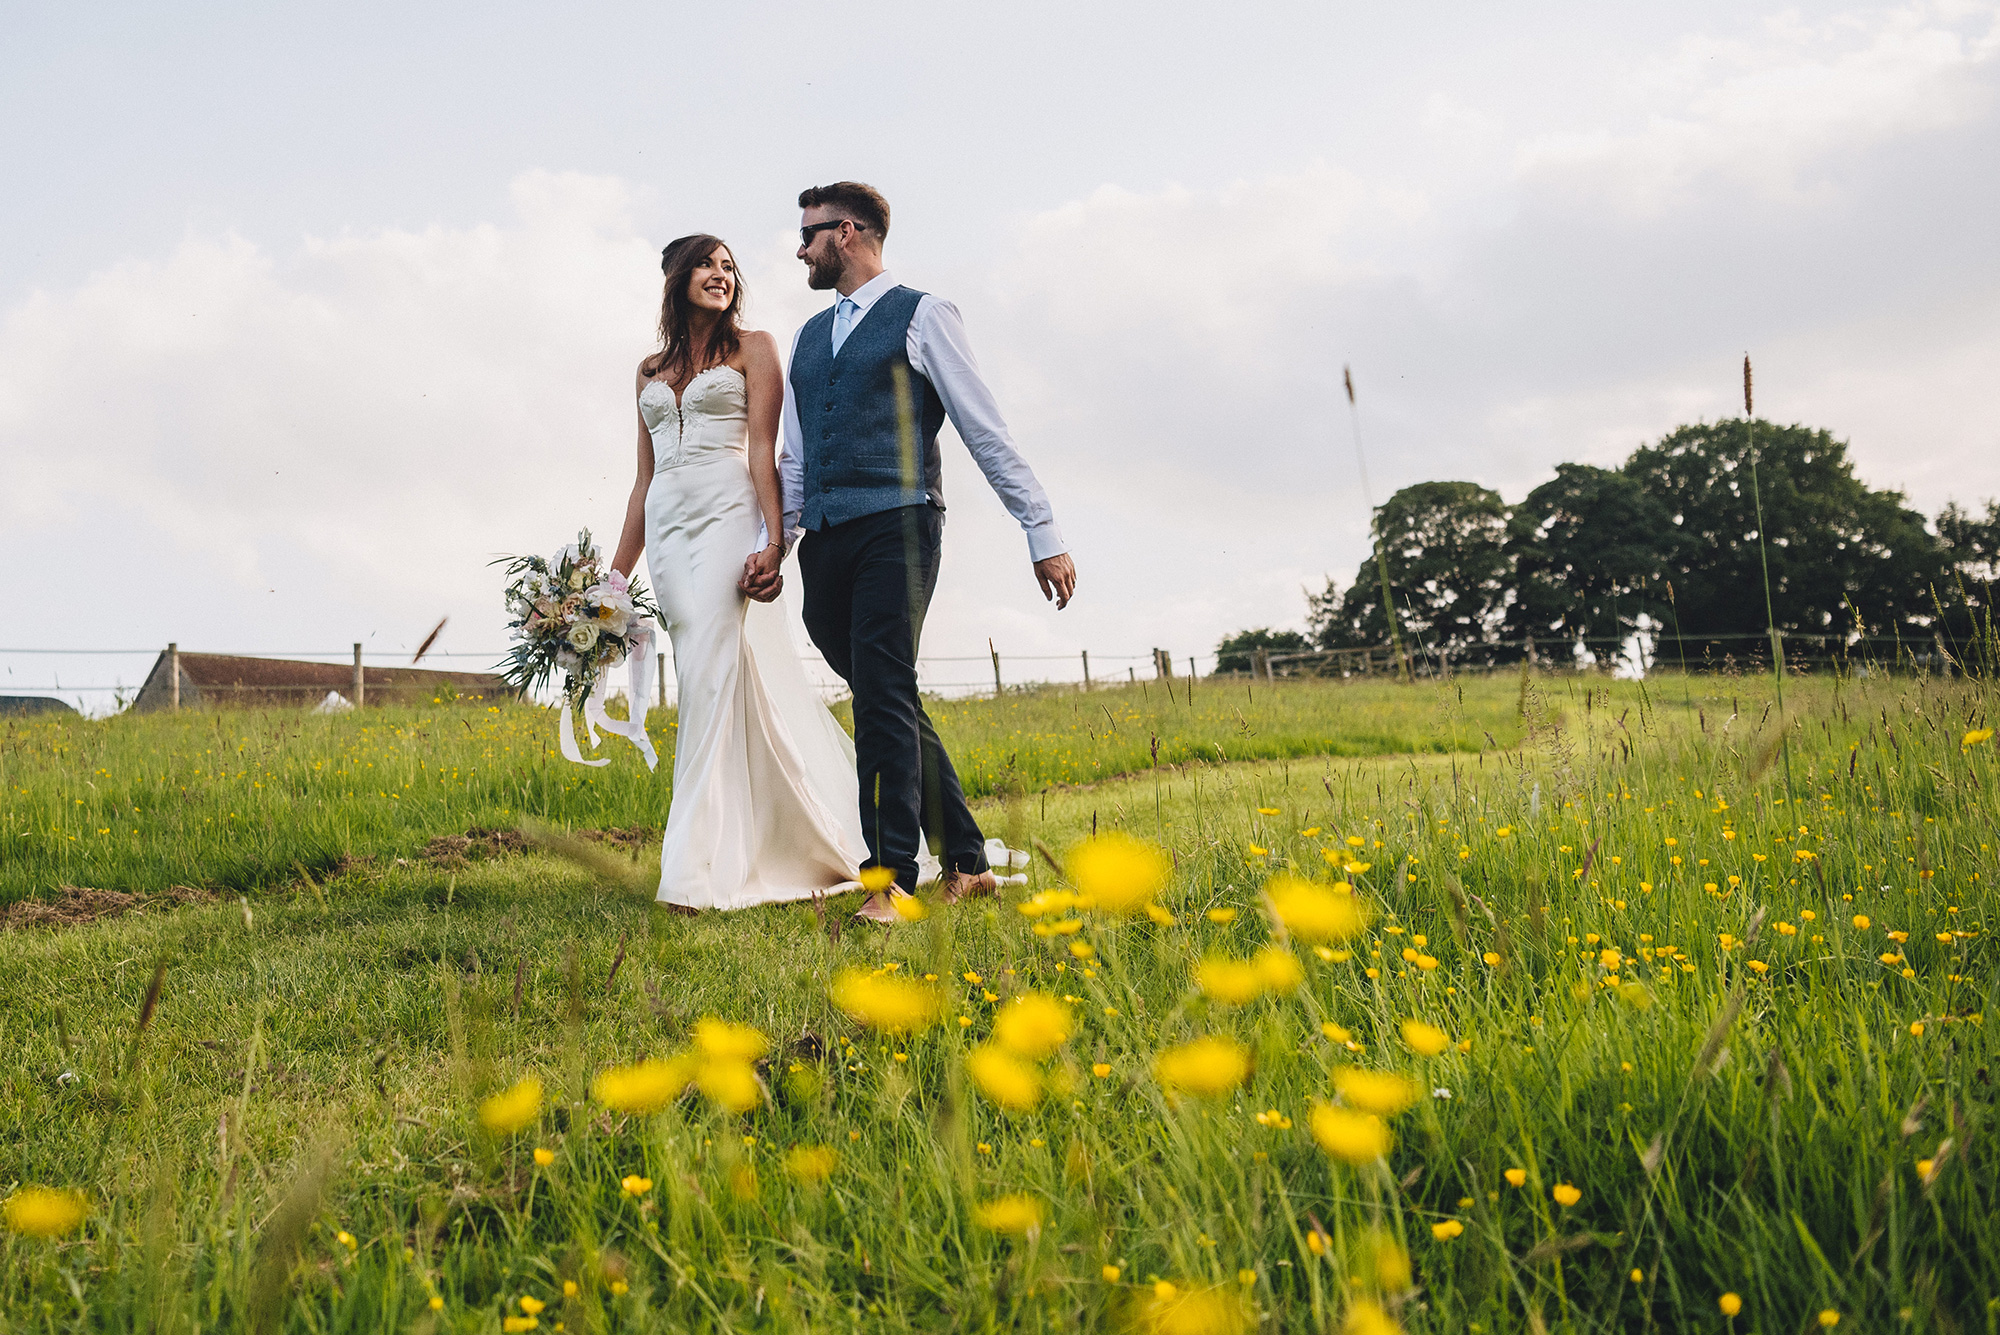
(873, 520)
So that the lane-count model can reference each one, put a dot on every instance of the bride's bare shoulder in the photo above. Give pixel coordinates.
(757, 350)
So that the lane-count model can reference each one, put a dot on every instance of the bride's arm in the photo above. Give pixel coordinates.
(764, 379)
(632, 540)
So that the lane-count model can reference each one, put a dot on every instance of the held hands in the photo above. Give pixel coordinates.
(1057, 576)
(761, 580)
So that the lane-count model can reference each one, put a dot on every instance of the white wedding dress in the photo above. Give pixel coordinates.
(765, 806)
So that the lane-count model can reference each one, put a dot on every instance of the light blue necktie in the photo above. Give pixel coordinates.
(843, 320)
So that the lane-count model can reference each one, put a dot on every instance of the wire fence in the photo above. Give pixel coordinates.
(943, 674)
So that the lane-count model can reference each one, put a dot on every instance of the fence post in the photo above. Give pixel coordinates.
(360, 686)
(1086, 669)
(660, 679)
(996, 665)
(174, 678)
(1190, 679)
(1131, 675)
(1163, 664)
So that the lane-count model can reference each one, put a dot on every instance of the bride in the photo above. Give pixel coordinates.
(764, 805)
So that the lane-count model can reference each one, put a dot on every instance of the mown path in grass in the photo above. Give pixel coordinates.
(240, 800)
(1649, 937)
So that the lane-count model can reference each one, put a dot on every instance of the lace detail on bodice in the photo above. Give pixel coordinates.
(710, 419)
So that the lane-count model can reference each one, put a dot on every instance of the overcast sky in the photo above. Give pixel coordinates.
(309, 311)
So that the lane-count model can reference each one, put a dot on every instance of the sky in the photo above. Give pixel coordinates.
(310, 312)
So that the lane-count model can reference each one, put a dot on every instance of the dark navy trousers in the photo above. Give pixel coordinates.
(868, 584)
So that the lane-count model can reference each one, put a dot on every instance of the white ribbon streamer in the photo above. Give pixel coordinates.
(639, 658)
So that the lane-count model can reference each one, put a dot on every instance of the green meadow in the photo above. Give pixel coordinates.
(1504, 1004)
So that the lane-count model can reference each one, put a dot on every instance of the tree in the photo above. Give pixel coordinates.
(1446, 547)
(1234, 654)
(1972, 554)
(1829, 538)
(1588, 548)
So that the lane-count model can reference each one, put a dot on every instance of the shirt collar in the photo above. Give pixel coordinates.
(870, 292)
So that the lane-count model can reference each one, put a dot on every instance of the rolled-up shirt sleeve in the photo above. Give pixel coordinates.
(940, 352)
(791, 459)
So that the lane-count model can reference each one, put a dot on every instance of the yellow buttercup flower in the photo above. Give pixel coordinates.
(1976, 736)
(1100, 1069)
(1004, 1078)
(532, 1306)
(1566, 1195)
(1119, 873)
(1425, 1039)
(1356, 1137)
(1267, 811)
(1730, 1304)
(634, 1185)
(1033, 1025)
(1383, 1093)
(1366, 1318)
(876, 879)
(1516, 1177)
(1221, 915)
(881, 1001)
(1829, 1318)
(1207, 1066)
(515, 1324)
(1018, 1213)
(1447, 1229)
(724, 1040)
(909, 908)
(544, 1157)
(1314, 912)
(513, 1108)
(1231, 982)
(1170, 1309)
(643, 1087)
(731, 1084)
(811, 1163)
(1279, 968)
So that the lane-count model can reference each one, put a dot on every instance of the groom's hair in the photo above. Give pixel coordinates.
(861, 203)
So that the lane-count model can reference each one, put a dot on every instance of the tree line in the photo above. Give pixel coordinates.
(1667, 542)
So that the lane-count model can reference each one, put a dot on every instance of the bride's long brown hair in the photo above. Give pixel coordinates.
(677, 351)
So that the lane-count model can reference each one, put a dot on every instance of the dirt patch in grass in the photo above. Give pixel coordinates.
(451, 851)
(75, 905)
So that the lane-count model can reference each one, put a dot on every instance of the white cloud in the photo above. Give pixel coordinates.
(317, 442)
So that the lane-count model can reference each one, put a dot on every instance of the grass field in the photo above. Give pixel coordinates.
(1710, 1048)
(241, 800)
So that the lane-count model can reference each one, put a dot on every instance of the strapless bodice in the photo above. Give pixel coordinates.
(709, 420)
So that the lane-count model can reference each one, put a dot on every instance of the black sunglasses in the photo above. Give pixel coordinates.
(806, 234)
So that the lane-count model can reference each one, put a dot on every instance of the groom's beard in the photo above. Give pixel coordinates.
(824, 274)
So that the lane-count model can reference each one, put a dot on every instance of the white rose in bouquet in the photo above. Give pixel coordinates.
(582, 636)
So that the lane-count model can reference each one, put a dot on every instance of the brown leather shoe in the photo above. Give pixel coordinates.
(962, 885)
(882, 908)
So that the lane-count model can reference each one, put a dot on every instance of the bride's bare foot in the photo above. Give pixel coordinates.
(961, 885)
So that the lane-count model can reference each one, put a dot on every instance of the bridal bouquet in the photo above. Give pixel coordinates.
(573, 612)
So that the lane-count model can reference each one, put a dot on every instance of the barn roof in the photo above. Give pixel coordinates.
(231, 679)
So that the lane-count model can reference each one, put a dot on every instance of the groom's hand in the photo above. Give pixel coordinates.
(761, 578)
(1057, 576)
